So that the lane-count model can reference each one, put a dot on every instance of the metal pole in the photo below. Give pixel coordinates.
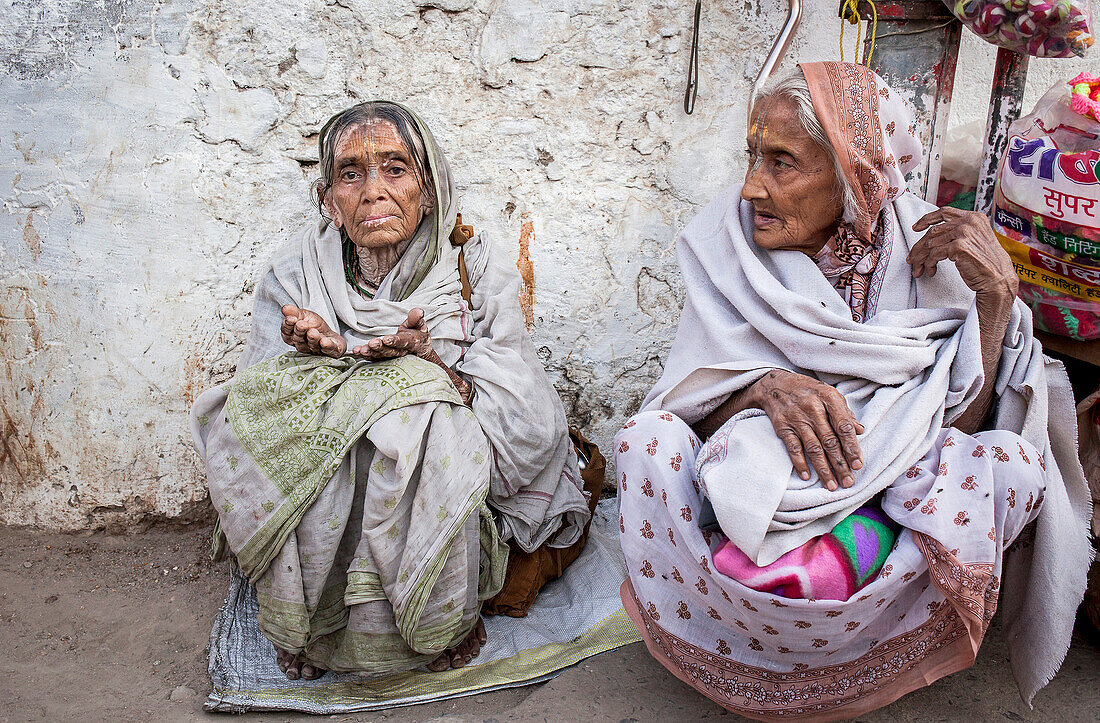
(692, 89)
(779, 49)
(1005, 100)
(916, 48)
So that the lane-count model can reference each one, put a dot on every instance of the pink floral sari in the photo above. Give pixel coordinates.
(774, 658)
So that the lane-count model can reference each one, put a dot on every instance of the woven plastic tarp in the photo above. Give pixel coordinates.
(574, 617)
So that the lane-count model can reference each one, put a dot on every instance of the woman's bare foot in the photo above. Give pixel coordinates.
(462, 653)
(294, 668)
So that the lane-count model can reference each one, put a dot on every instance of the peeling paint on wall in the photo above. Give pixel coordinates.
(526, 274)
(31, 238)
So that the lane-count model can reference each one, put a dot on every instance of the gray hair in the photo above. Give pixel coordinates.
(792, 86)
(365, 114)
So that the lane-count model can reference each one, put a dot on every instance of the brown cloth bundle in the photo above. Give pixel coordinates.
(529, 571)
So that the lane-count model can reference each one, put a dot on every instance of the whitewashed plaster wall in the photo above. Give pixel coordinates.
(153, 155)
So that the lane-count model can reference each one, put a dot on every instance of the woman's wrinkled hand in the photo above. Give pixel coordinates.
(412, 337)
(968, 240)
(813, 421)
(308, 333)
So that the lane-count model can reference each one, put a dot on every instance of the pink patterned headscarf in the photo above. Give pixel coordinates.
(870, 128)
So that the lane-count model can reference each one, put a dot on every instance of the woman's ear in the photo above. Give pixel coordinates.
(333, 210)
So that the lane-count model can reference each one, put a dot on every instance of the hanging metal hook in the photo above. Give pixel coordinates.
(693, 66)
(779, 49)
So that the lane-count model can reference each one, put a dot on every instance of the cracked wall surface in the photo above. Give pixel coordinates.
(154, 154)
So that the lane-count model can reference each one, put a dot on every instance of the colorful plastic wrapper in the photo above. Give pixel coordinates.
(1085, 95)
(1043, 28)
(1046, 214)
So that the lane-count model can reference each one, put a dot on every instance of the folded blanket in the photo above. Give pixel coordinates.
(834, 566)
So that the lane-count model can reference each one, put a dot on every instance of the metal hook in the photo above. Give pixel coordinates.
(693, 66)
(779, 48)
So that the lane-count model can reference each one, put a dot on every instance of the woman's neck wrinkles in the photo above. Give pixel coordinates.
(376, 262)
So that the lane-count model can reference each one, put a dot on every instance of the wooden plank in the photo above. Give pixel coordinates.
(1086, 351)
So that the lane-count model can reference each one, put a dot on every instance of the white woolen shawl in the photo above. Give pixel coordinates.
(908, 371)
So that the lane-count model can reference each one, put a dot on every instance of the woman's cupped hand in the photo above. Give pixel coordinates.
(412, 337)
(308, 333)
(813, 421)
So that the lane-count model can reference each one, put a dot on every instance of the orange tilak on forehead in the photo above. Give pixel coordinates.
(378, 133)
(758, 129)
(776, 129)
(370, 140)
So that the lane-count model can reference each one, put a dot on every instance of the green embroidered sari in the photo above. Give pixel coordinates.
(357, 507)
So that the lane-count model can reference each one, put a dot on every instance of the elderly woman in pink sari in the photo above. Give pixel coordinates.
(854, 424)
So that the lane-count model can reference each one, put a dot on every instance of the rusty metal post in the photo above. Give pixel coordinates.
(916, 47)
(1005, 99)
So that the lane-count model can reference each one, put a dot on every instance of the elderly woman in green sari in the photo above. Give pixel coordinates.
(367, 481)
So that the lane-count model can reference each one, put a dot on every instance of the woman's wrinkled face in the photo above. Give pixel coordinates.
(375, 192)
(791, 182)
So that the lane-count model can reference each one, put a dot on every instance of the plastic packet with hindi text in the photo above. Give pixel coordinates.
(1046, 214)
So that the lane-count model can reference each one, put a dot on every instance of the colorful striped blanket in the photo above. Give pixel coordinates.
(833, 566)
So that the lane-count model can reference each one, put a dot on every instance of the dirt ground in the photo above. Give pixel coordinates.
(96, 628)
